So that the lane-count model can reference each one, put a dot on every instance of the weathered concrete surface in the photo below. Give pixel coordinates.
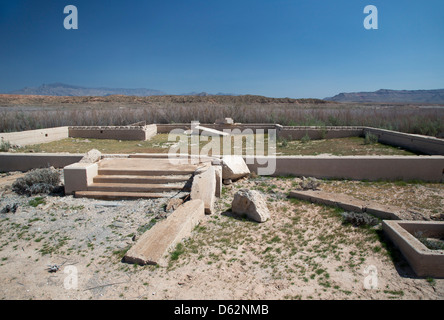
(154, 244)
(425, 262)
(28, 161)
(349, 203)
(78, 176)
(250, 203)
(234, 167)
(204, 187)
(30, 137)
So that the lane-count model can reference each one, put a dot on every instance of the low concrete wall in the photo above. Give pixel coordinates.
(413, 142)
(425, 262)
(426, 168)
(315, 133)
(166, 128)
(117, 133)
(31, 137)
(27, 161)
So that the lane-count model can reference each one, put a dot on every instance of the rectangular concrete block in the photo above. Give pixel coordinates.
(78, 176)
(218, 171)
(425, 262)
(204, 187)
(154, 244)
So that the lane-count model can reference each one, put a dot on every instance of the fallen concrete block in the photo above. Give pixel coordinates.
(234, 167)
(250, 203)
(218, 171)
(350, 203)
(204, 187)
(91, 156)
(154, 244)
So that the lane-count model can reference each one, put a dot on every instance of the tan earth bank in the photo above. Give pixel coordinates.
(303, 252)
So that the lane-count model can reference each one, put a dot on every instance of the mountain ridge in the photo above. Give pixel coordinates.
(435, 96)
(62, 89)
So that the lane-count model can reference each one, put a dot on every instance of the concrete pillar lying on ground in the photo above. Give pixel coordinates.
(154, 244)
(204, 187)
(78, 176)
(350, 203)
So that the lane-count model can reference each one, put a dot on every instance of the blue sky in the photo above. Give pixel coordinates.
(279, 48)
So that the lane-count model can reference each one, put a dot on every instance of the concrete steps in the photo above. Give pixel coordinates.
(133, 178)
(109, 195)
(141, 179)
(135, 187)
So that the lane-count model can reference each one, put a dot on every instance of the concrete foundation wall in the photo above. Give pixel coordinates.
(315, 133)
(412, 142)
(426, 168)
(117, 133)
(31, 137)
(166, 128)
(27, 161)
(425, 262)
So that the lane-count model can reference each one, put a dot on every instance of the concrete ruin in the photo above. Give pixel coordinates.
(424, 261)
(131, 132)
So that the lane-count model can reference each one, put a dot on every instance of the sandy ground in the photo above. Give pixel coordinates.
(303, 252)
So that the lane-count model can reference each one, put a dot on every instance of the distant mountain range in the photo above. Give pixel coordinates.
(394, 96)
(61, 89)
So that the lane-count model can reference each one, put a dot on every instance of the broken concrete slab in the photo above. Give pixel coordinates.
(154, 244)
(91, 156)
(250, 203)
(204, 187)
(350, 203)
(234, 167)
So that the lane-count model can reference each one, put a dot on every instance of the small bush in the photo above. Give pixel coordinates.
(38, 181)
(370, 138)
(5, 146)
(432, 244)
(306, 138)
(359, 219)
(309, 183)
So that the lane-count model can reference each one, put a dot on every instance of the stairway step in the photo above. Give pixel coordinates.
(145, 167)
(144, 172)
(135, 187)
(108, 195)
(141, 179)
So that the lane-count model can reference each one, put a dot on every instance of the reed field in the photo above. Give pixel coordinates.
(46, 112)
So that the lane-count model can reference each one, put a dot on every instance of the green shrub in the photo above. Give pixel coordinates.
(370, 138)
(306, 138)
(5, 146)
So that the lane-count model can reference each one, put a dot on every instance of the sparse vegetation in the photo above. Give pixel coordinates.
(370, 138)
(359, 219)
(37, 181)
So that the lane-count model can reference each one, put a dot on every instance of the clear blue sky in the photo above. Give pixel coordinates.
(279, 48)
